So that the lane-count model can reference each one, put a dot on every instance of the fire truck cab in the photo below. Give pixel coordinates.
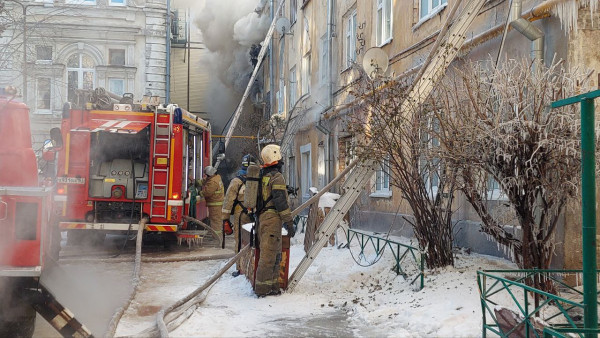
(28, 243)
(132, 162)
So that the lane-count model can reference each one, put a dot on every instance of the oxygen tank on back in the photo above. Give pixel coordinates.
(252, 186)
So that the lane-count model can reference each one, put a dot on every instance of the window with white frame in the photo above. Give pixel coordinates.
(81, 74)
(116, 86)
(293, 87)
(305, 170)
(118, 2)
(43, 91)
(350, 45)
(430, 167)
(382, 180)
(305, 76)
(430, 7)
(383, 22)
(293, 11)
(323, 66)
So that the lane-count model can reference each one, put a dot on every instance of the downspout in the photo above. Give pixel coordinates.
(168, 38)
(529, 30)
(328, 154)
(271, 70)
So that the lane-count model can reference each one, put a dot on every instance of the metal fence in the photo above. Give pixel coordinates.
(404, 255)
(538, 313)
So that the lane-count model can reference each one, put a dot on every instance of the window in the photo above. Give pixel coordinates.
(494, 189)
(430, 167)
(80, 74)
(116, 57)
(305, 78)
(430, 7)
(116, 86)
(350, 39)
(293, 11)
(43, 91)
(384, 22)
(382, 180)
(43, 53)
(292, 172)
(293, 87)
(117, 2)
(305, 170)
(323, 66)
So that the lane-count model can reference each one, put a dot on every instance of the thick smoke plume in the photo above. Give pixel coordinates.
(229, 29)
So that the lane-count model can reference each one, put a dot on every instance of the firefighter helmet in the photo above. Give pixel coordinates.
(248, 160)
(210, 170)
(271, 154)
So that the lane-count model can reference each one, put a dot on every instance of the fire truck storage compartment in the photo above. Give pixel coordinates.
(115, 159)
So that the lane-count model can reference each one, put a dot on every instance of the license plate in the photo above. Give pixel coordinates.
(70, 180)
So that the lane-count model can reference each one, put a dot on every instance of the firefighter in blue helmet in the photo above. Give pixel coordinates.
(233, 206)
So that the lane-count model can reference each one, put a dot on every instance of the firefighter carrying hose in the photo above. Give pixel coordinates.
(233, 206)
(212, 191)
(271, 214)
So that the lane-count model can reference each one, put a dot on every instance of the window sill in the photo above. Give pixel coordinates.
(381, 194)
(386, 42)
(429, 16)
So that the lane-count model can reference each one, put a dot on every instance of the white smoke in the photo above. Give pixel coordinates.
(229, 28)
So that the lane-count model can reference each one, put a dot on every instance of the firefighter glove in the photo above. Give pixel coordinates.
(291, 230)
(227, 229)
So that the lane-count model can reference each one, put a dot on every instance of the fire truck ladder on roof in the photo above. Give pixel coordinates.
(359, 176)
(160, 168)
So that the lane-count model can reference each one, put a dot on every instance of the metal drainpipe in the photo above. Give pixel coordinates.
(168, 42)
(328, 154)
(271, 70)
(529, 30)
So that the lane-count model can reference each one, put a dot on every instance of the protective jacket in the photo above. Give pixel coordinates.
(234, 197)
(213, 191)
(274, 212)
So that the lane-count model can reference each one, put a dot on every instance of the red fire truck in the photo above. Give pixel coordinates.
(133, 161)
(25, 244)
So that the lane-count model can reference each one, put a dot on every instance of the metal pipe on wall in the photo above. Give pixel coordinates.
(528, 29)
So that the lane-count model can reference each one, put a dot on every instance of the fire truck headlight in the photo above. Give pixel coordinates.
(60, 191)
(117, 191)
(175, 196)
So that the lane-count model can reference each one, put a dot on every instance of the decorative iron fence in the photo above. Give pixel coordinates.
(402, 253)
(560, 311)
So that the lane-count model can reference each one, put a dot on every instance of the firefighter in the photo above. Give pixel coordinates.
(233, 205)
(271, 214)
(212, 191)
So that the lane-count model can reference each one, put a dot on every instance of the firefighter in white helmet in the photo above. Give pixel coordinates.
(273, 212)
(213, 192)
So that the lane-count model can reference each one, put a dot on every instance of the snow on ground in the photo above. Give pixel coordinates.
(337, 297)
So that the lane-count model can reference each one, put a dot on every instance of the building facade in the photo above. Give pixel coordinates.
(313, 80)
(53, 47)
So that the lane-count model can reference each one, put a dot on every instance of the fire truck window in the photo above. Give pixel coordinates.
(199, 150)
(27, 219)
